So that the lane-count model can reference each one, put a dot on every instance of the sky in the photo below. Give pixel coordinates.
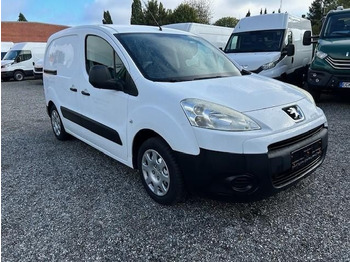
(80, 12)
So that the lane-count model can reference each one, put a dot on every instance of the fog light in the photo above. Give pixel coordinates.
(245, 183)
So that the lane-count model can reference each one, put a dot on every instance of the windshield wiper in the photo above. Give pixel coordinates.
(208, 77)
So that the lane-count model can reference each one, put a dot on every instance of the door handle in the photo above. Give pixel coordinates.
(85, 93)
(73, 89)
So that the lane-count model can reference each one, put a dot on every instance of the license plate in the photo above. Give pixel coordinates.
(344, 84)
(306, 155)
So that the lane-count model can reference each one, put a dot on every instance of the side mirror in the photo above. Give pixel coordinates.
(307, 38)
(18, 59)
(100, 77)
(290, 50)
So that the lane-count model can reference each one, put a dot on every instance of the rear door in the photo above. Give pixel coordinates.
(61, 66)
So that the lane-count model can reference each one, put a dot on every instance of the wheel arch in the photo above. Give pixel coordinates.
(139, 139)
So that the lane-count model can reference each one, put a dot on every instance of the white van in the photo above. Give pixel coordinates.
(172, 105)
(271, 45)
(5, 46)
(18, 62)
(216, 35)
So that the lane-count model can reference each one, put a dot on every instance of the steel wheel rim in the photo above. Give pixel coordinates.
(56, 123)
(19, 77)
(155, 172)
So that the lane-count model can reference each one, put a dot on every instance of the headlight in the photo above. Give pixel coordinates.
(213, 116)
(269, 65)
(7, 65)
(321, 54)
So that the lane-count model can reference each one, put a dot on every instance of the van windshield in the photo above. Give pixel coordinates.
(174, 57)
(11, 55)
(255, 41)
(337, 25)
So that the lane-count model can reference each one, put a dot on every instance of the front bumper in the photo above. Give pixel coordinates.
(251, 177)
(6, 74)
(322, 80)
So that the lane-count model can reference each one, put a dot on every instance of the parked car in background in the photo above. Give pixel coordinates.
(271, 45)
(5, 46)
(172, 105)
(216, 35)
(38, 69)
(18, 62)
(330, 68)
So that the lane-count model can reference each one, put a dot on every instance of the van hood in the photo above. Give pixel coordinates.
(338, 48)
(241, 93)
(252, 61)
(6, 62)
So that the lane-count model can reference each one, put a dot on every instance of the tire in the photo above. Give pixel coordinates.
(18, 75)
(315, 93)
(160, 173)
(56, 124)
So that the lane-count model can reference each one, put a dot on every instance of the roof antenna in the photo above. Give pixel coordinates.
(154, 19)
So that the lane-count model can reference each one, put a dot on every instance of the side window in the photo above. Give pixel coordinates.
(24, 55)
(100, 52)
(233, 43)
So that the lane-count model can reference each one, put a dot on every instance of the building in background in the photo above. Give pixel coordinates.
(28, 31)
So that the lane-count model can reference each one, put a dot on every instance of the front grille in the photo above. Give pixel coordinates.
(282, 178)
(340, 64)
(294, 140)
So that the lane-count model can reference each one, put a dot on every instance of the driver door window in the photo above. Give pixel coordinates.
(100, 52)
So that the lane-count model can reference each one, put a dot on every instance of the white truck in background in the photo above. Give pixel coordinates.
(5, 46)
(271, 45)
(18, 62)
(216, 35)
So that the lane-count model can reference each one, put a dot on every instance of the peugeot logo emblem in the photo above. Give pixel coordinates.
(294, 112)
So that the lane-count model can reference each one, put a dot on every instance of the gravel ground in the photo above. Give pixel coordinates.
(65, 201)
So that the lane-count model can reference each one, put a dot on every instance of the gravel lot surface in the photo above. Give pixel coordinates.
(65, 201)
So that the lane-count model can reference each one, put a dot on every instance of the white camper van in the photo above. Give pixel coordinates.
(18, 62)
(172, 105)
(216, 35)
(271, 45)
(5, 46)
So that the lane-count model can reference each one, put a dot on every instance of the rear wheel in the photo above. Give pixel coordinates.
(18, 75)
(57, 125)
(160, 173)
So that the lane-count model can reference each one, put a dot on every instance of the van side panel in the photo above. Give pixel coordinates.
(61, 60)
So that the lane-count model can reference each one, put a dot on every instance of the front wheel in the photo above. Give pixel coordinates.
(18, 75)
(57, 125)
(160, 173)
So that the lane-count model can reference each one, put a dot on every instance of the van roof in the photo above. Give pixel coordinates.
(28, 45)
(271, 21)
(119, 29)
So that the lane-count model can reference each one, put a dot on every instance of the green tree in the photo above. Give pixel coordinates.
(107, 19)
(315, 15)
(227, 21)
(163, 15)
(150, 12)
(203, 9)
(137, 16)
(21, 18)
(184, 13)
